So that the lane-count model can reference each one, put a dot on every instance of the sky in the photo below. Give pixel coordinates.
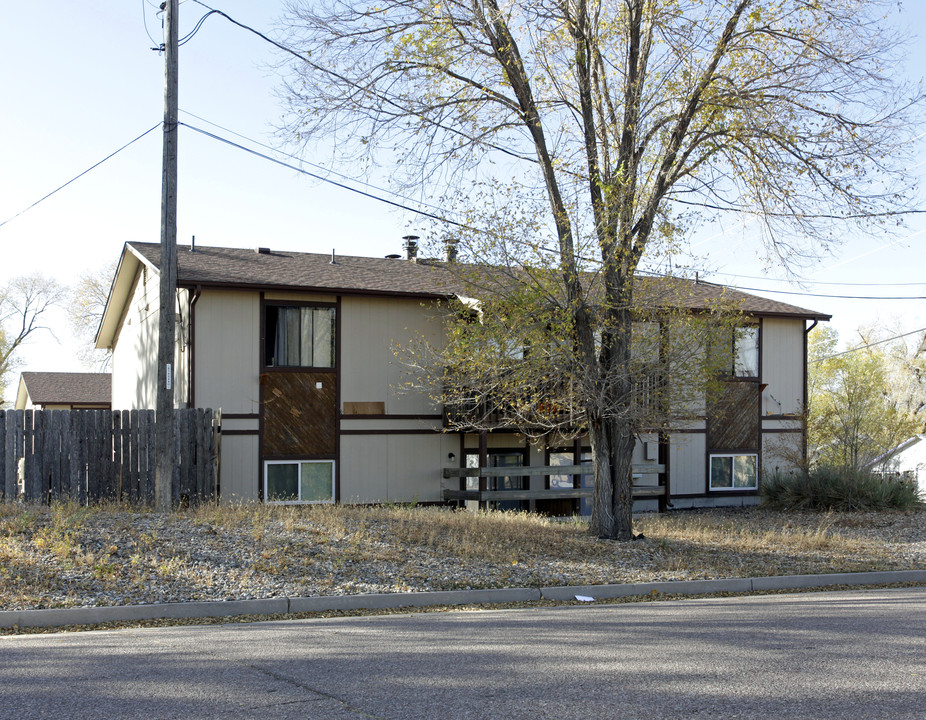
(80, 80)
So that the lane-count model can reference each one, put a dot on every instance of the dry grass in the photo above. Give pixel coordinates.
(68, 555)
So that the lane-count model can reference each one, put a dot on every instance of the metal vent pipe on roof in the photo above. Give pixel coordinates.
(450, 251)
(410, 247)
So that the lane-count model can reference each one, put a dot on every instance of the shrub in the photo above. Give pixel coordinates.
(830, 488)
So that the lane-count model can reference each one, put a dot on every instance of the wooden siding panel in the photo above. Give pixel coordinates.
(782, 366)
(371, 331)
(300, 414)
(782, 452)
(687, 453)
(227, 351)
(364, 459)
(733, 417)
(414, 467)
(240, 471)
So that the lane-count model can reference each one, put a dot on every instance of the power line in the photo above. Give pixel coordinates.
(815, 282)
(869, 345)
(343, 186)
(306, 60)
(835, 297)
(320, 168)
(77, 177)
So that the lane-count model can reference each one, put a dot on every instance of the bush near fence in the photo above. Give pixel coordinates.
(90, 455)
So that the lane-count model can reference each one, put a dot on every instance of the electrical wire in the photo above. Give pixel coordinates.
(815, 282)
(836, 297)
(302, 58)
(865, 347)
(144, 18)
(77, 177)
(189, 36)
(329, 181)
(320, 168)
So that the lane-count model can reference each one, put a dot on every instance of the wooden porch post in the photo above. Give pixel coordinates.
(483, 463)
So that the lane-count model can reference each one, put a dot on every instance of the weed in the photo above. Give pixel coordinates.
(829, 488)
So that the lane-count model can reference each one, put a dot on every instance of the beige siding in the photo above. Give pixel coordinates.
(686, 463)
(240, 468)
(781, 452)
(782, 366)
(136, 349)
(227, 352)
(135, 353)
(372, 330)
(394, 468)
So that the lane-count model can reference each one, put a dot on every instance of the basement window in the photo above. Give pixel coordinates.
(299, 481)
(734, 472)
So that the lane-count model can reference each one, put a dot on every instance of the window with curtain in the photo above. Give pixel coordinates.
(297, 336)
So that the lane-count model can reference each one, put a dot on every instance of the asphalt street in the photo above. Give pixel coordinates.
(859, 654)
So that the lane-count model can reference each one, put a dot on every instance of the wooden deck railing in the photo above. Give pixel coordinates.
(484, 495)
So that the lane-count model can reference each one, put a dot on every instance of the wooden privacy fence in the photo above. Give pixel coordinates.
(92, 455)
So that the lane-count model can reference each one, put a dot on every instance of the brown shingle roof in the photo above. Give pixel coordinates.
(235, 267)
(59, 388)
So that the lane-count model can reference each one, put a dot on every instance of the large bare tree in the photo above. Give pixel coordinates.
(86, 302)
(618, 114)
(24, 306)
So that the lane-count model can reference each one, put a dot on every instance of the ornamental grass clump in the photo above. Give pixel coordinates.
(831, 488)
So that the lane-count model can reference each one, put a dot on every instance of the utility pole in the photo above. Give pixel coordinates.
(164, 467)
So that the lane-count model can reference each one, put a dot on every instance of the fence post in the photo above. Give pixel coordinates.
(117, 455)
(3, 492)
(39, 479)
(28, 457)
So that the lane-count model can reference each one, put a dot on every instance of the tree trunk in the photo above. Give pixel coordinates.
(612, 436)
(622, 453)
(612, 443)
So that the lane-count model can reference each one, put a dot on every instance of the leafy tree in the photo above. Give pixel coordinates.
(856, 413)
(24, 304)
(613, 116)
(85, 306)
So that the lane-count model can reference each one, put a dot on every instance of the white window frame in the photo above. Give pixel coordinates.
(733, 486)
(298, 464)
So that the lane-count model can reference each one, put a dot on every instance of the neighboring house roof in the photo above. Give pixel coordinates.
(896, 452)
(65, 388)
(273, 269)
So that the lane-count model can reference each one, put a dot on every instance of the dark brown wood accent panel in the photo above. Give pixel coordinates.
(300, 413)
(733, 417)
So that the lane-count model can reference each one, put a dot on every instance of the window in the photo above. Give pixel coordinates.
(746, 351)
(568, 457)
(302, 481)
(299, 336)
(561, 458)
(734, 472)
(500, 458)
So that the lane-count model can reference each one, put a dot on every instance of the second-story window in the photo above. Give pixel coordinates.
(299, 336)
(746, 351)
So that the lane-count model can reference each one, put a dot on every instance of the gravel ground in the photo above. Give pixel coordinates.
(77, 557)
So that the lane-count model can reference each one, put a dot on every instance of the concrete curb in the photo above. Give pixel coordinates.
(282, 606)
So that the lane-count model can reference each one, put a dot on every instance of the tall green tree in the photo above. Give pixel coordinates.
(858, 407)
(615, 115)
